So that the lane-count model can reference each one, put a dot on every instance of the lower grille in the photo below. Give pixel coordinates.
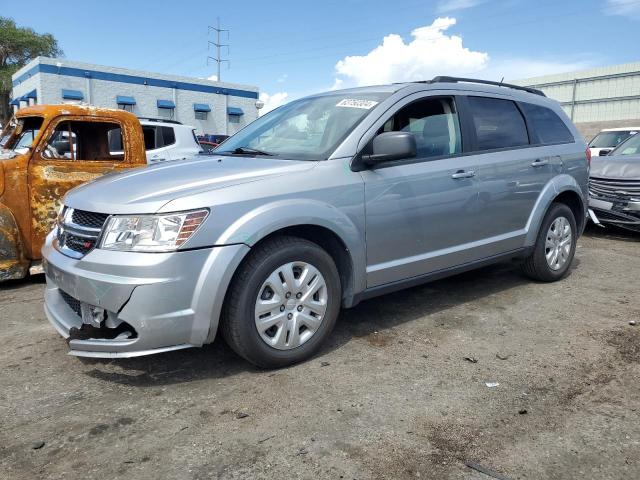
(72, 302)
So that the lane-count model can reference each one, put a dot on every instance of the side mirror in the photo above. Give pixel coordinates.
(391, 146)
(604, 153)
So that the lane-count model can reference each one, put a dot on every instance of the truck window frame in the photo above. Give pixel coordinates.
(47, 134)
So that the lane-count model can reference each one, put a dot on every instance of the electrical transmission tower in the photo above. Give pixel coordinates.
(218, 58)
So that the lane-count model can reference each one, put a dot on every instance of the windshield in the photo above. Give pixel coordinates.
(20, 133)
(306, 129)
(610, 139)
(630, 146)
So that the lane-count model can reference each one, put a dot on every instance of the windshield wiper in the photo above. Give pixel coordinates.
(246, 151)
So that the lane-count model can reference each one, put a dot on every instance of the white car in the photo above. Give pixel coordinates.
(164, 140)
(610, 138)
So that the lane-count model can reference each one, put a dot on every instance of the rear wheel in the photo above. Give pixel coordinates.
(555, 246)
(283, 302)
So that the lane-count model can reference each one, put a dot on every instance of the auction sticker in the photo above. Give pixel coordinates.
(355, 103)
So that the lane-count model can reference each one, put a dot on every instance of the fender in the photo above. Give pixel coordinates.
(13, 264)
(257, 224)
(551, 190)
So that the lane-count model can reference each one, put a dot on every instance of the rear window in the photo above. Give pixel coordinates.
(498, 123)
(149, 137)
(168, 136)
(546, 125)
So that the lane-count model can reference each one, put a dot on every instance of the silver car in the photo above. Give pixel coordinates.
(317, 205)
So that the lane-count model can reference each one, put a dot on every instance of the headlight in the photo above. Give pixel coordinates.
(151, 233)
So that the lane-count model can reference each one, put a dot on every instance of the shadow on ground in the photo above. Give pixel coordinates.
(376, 315)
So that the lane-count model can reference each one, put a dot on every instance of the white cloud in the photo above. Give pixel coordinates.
(282, 78)
(445, 6)
(431, 52)
(213, 78)
(272, 101)
(626, 8)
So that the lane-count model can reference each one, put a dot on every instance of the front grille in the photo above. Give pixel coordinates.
(78, 231)
(89, 219)
(72, 302)
(624, 190)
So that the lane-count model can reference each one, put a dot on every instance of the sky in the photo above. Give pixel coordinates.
(293, 48)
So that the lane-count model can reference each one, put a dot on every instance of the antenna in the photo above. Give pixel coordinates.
(218, 58)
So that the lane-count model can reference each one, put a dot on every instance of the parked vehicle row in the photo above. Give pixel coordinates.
(315, 206)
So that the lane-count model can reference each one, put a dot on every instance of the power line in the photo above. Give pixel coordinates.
(218, 58)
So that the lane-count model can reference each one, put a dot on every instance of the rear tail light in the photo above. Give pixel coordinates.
(588, 154)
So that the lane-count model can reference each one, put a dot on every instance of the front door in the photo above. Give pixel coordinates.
(73, 151)
(420, 211)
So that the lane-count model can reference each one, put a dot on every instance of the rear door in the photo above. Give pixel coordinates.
(512, 170)
(74, 150)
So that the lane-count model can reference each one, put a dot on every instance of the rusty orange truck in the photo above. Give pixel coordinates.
(45, 150)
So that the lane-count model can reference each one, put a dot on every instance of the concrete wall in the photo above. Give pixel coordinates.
(103, 93)
(607, 94)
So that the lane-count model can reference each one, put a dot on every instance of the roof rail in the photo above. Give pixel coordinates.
(444, 79)
(160, 120)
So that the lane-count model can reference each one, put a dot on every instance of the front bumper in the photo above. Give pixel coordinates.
(614, 211)
(151, 302)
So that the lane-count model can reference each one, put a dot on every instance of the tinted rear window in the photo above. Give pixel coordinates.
(546, 125)
(498, 123)
(168, 136)
(149, 137)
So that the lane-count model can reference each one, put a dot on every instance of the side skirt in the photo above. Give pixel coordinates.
(438, 274)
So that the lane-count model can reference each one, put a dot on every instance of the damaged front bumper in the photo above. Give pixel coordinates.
(122, 304)
(615, 211)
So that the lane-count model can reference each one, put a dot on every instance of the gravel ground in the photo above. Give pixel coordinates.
(391, 396)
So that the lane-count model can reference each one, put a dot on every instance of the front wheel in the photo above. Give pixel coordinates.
(555, 246)
(282, 303)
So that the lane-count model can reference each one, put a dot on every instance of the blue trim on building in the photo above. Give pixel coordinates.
(72, 94)
(125, 100)
(166, 104)
(32, 94)
(24, 98)
(134, 79)
(234, 111)
(201, 107)
(15, 101)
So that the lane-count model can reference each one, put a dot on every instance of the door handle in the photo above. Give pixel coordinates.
(463, 174)
(540, 162)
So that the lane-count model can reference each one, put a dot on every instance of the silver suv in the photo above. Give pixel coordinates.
(317, 205)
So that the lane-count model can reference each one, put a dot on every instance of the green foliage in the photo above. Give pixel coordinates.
(19, 45)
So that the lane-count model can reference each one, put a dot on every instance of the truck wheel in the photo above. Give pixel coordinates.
(283, 302)
(555, 246)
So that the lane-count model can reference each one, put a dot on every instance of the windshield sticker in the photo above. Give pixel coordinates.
(355, 103)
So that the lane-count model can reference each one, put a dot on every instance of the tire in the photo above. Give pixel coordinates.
(536, 266)
(301, 329)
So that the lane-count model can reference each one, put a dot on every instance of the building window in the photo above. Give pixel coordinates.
(126, 108)
(201, 115)
(166, 113)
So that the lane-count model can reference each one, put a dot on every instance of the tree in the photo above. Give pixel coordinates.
(18, 46)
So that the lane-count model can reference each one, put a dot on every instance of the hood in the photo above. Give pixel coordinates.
(617, 166)
(147, 189)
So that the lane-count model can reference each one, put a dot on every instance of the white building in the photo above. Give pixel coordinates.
(597, 98)
(215, 108)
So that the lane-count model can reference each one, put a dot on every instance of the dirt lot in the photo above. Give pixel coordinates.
(390, 397)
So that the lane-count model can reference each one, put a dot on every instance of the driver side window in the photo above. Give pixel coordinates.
(81, 140)
(435, 124)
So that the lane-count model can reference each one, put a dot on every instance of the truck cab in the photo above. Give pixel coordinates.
(46, 150)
